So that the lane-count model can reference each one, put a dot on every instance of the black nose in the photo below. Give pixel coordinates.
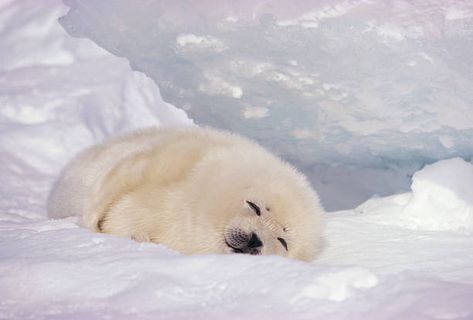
(244, 243)
(254, 242)
(253, 246)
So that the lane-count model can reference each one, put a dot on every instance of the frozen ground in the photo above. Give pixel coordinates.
(345, 89)
(407, 256)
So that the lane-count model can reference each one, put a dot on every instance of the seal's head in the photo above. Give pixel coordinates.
(255, 204)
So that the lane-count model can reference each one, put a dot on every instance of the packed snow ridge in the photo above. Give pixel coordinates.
(441, 198)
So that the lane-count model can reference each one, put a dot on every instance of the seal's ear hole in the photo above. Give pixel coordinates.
(268, 209)
(284, 229)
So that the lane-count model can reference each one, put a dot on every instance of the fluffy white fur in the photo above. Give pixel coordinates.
(190, 189)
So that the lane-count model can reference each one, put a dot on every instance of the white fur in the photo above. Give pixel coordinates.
(186, 188)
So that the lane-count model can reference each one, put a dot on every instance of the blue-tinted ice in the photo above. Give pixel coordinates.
(358, 94)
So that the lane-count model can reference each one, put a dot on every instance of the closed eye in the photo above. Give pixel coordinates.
(254, 207)
(283, 242)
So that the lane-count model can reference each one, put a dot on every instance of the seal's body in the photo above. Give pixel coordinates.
(195, 190)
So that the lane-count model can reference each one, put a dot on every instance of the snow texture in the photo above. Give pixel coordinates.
(400, 257)
(441, 199)
(348, 90)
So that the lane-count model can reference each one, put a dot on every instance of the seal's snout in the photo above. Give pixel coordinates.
(254, 242)
(241, 242)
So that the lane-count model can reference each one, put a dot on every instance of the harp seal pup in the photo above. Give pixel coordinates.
(194, 190)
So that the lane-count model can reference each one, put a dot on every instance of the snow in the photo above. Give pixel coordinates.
(406, 256)
(441, 199)
(348, 88)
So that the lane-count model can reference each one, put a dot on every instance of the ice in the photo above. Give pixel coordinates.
(59, 94)
(371, 90)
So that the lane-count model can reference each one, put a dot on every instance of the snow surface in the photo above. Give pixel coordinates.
(344, 89)
(441, 199)
(407, 256)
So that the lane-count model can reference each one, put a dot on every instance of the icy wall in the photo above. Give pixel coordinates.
(359, 94)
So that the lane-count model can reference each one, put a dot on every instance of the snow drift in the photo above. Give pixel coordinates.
(441, 199)
(346, 90)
